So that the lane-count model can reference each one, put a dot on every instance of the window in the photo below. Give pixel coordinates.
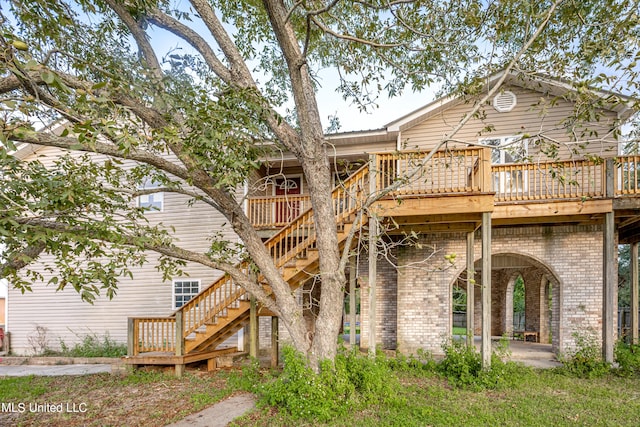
(153, 202)
(508, 150)
(183, 291)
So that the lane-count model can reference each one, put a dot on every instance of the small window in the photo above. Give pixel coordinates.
(153, 202)
(183, 291)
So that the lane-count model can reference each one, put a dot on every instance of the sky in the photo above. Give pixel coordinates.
(330, 102)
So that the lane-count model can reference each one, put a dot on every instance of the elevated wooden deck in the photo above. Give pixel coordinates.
(444, 191)
(450, 191)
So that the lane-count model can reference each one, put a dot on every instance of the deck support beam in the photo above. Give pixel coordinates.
(373, 272)
(373, 254)
(609, 288)
(486, 290)
(179, 342)
(352, 300)
(470, 288)
(275, 354)
(253, 329)
(634, 294)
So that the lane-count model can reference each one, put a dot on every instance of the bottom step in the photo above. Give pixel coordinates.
(166, 358)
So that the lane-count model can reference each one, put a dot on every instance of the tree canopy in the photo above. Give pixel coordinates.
(194, 94)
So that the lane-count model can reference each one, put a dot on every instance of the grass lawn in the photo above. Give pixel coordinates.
(534, 398)
(459, 331)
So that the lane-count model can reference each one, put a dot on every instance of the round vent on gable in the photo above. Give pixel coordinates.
(505, 101)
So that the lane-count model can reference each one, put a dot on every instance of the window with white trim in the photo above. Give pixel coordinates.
(508, 150)
(183, 291)
(153, 202)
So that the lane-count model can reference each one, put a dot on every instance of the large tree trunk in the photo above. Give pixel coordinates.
(315, 164)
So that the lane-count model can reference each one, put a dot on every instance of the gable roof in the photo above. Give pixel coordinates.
(539, 83)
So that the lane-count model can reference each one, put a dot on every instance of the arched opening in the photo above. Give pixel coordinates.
(459, 309)
(525, 295)
(519, 315)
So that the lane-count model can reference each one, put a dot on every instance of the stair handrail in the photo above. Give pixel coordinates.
(346, 201)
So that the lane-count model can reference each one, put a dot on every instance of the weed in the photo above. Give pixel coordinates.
(586, 361)
(628, 358)
(462, 366)
(39, 341)
(248, 379)
(349, 383)
(22, 388)
(92, 346)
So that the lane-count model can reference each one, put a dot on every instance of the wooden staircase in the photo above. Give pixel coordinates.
(194, 331)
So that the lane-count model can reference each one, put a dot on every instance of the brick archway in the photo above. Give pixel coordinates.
(542, 295)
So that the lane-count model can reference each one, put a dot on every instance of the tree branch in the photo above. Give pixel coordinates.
(72, 144)
(174, 26)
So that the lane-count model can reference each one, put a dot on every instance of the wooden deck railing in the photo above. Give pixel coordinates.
(276, 211)
(299, 236)
(451, 171)
(147, 334)
(548, 180)
(627, 175)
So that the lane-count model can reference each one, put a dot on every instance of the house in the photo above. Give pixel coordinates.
(494, 206)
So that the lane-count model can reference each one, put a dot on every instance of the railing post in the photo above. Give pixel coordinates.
(179, 341)
(132, 337)
(485, 171)
(179, 333)
(609, 178)
(373, 174)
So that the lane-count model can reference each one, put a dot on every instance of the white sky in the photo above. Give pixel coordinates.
(331, 102)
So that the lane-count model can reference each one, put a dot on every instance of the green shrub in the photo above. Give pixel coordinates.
(421, 362)
(348, 383)
(586, 361)
(462, 366)
(628, 358)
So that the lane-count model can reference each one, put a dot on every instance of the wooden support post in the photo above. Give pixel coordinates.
(634, 294)
(373, 255)
(610, 286)
(470, 288)
(179, 341)
(373, 272)
(486, 290)
(132, 337)
(352, 301)
(275, 355)
(253, 329)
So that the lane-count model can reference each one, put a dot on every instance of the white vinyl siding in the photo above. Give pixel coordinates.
(534, 113)
(67, 318)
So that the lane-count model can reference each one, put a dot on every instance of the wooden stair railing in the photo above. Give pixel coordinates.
(225, 299)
